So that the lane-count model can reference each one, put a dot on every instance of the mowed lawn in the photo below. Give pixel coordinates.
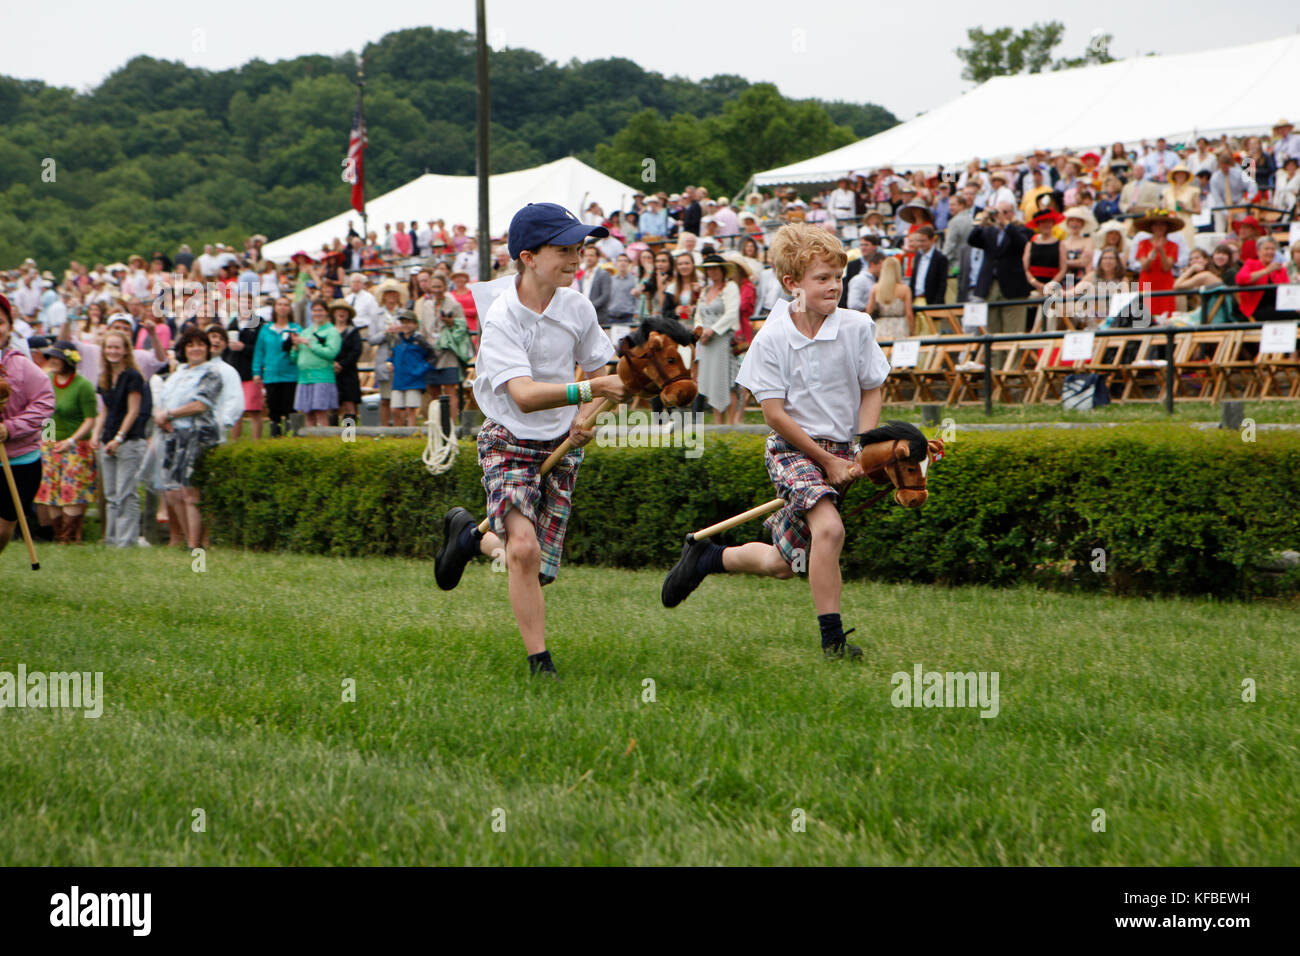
(223, 692)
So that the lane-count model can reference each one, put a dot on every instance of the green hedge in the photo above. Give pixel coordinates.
(1176, 510)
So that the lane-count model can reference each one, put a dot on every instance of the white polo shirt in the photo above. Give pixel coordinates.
(821, 379)
(517, 342)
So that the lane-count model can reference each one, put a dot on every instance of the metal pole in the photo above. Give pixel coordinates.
(1170, 370)
(482, 166)
(361, 93)
(988, 375)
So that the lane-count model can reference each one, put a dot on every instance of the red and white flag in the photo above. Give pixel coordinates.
(355, 172)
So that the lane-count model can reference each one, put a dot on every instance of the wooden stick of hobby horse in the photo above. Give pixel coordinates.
(766, 508)
(18, 507)
(560, 452)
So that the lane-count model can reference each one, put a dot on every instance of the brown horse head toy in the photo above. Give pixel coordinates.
(898, 453)
(650, 364)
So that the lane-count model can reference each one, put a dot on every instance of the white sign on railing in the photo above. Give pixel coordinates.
(1120, 302)
(1277, 337)
(1077, 347)
(974, 315)
(905, 353)
(1288, 298)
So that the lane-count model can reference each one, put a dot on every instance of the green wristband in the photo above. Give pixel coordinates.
(572, 389)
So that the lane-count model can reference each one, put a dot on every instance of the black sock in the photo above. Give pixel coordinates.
(832, 629)
(711, 560)
(469, 539)
(535, 661)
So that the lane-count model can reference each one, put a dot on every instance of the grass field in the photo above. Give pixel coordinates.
(224, 692)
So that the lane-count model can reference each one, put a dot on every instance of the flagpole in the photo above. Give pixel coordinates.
(361, 94)
(483, 169)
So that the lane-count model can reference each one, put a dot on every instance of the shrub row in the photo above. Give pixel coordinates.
(1171, 510)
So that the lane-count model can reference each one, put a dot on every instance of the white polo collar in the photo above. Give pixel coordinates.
(827, 333)
(525, 316)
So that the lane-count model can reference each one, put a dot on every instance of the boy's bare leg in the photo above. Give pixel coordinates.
(524, 562)
(756, 558)
(824, 562)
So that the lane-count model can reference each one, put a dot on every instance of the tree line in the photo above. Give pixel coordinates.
(162, 153)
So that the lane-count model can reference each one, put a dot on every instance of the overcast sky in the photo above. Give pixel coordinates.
(898, 55)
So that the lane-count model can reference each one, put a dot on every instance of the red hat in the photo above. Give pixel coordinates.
(1047, 215)
(300, 252)
(1091, 156)
(9, 310)
(1247, 221)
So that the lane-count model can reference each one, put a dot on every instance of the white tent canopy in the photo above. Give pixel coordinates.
(454, 199)
(1240, 89)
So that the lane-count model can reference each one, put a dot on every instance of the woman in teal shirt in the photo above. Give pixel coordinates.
(314, 351)
(274, 367)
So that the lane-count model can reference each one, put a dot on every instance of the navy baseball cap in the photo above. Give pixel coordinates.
(548, 223)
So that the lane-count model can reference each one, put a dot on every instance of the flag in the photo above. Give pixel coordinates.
(355, 160)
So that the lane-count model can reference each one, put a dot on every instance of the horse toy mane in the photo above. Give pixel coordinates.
(649, 362)
(898, 453)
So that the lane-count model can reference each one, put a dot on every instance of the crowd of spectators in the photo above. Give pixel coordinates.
(151, 361)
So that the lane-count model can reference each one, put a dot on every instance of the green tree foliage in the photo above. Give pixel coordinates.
(162, 153)
(1006, 52)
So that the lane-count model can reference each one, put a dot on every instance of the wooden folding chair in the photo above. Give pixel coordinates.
(928, 372)
(1017, 381)
(1278, 373)
(1204, 354)
(1237, 371)
(1143, 371)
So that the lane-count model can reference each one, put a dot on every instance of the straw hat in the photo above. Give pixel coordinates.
(1085, 214)
(389, 285)
(744, 264)
(341, 304)
(1159, 215)
(916, 211)
(730, 268)
(1180, 168)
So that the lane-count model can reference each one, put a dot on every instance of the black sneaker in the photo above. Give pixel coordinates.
(843, 648)
(685, 576)
(449, 563)
(543, 669)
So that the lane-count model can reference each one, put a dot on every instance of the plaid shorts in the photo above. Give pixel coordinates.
(510, 466)
(801, 483)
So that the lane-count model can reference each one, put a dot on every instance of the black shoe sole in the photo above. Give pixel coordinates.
(449, 563)
(841, 651)
(679, 583)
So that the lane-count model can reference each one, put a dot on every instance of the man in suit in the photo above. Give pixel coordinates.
(970, 269)
(691, 212)
(1139, 193)
(1003, 275)
(868, 246)
(929, 278)
(595, 284)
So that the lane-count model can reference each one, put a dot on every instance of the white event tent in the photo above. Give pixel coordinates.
(454, 199)
(1235, 90)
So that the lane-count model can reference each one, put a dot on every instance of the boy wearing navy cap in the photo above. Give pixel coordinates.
(817, 372)
(533, 335)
